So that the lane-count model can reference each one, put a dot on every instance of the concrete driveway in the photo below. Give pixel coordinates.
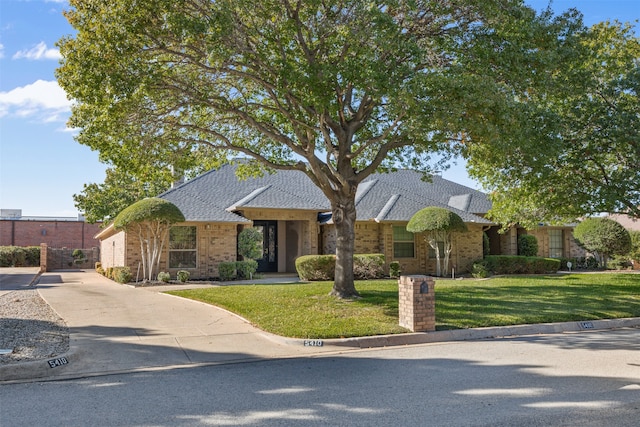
(16, 278)
(119, 328)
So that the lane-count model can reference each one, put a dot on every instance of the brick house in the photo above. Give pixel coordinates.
(294, 217)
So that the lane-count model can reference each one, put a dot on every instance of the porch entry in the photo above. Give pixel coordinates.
(269, 261)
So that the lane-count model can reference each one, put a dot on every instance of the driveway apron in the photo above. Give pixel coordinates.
(116, 327)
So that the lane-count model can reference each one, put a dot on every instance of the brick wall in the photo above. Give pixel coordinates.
(56, 234)
(378, 238)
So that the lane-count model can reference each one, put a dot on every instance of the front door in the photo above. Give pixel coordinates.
(269, 261)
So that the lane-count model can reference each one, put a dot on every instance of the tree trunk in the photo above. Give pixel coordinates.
(344, 218)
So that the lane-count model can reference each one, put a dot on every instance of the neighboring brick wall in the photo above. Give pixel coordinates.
(56, 234)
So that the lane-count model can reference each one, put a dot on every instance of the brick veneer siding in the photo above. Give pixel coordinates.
(216, 243)
(56, 234)
(378, 238)
(570, 247)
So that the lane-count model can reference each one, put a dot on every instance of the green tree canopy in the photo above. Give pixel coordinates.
(603, 236)
(336, 89)
(586, 159)
(149, 220)
(437, 224)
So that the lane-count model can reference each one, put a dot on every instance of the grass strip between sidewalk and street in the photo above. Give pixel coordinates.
(305, 310)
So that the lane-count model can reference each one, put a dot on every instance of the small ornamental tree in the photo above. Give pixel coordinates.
(149, 219)
(250, 243)
(604, 237)
(438, 224)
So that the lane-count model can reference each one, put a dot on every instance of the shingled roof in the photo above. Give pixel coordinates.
(395, 196)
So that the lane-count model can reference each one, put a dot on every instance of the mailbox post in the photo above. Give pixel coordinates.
(417, 303)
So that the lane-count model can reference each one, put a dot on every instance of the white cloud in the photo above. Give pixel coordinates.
(43, 100)
(1, 51)
(39, 51)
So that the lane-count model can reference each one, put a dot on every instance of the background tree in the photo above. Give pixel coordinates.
(438, 225)
(604, 237)
(634, 252)
(149, 220)
(103, 202)
(589, 160)
(336, 89)
(138, 176)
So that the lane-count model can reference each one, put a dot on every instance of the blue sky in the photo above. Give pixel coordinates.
(41, 165)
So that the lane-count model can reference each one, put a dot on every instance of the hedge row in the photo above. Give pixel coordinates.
(323, 267)
(237, 269)
(18, 256)
(509, 264)
(118, 274)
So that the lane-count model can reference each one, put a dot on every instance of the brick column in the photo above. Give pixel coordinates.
(43, 257)
(417, 303)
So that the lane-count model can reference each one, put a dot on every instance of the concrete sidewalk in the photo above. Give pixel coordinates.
(117, 328)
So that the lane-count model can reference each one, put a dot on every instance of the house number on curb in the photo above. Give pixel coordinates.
(57, 362)
(313, 343)
(586, 325)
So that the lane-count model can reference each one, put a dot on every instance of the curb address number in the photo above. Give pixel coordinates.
(57, 362)
(313, 343)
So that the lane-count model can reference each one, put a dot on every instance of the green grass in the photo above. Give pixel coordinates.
(307, 311)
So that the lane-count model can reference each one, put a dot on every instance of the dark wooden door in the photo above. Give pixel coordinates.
(269, 261)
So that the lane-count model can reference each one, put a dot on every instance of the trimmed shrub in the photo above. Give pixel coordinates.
(121, 274)
(619, 263)
(246, 269)
(183, 276)
(479, 270)
(527, 245)
(13, 256)
(394, 269)
(316, 267)
(163, 276)
(508, 264)
(32, 254)
(109, 273)
(368, 266)
(227, 270)
(323, 267)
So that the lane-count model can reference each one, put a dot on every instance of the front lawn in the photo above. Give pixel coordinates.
(307, 311)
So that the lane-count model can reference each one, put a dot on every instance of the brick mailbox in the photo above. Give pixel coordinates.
(417, 303)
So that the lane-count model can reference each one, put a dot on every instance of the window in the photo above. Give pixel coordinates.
(556, 247)
(182, 247)
(403, 243)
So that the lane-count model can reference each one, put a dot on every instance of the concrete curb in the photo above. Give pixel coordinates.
(467, 334)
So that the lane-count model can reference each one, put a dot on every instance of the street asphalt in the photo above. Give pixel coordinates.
(117, 328)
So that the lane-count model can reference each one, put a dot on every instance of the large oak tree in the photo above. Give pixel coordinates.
(588, 159)
(336, 89)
